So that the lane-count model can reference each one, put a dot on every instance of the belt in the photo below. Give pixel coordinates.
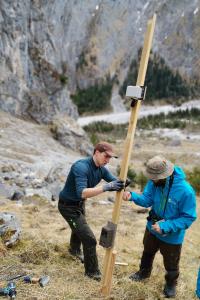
(72, 203)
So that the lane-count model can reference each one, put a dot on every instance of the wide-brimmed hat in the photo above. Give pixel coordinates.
(105, 147)
(159, 167)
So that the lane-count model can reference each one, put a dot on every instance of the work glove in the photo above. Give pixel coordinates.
(116, 185)
(127, 183)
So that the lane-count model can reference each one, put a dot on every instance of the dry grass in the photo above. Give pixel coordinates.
(45, 238)
(43, 250)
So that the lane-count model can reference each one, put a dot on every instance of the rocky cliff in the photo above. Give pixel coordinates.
(49, 48)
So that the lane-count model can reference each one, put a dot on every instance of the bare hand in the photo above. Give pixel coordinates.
(126, 196)
(156, 228)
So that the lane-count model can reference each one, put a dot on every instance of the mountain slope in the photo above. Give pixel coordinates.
(50, 48)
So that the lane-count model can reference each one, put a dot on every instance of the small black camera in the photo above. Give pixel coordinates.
(153, 217)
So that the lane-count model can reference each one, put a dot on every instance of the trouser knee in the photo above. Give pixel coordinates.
(89, 242)
(171, 277)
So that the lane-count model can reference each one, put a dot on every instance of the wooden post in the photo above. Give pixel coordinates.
(108, 265)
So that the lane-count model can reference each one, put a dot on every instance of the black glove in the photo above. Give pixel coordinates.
(116, 185)
(127, 182)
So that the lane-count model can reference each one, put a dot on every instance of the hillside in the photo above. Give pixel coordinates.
(51, 50)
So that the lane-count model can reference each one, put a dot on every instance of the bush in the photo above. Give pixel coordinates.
(194, 179)
(63, 79)
(100, 127)
(141, 180)
(130, 175)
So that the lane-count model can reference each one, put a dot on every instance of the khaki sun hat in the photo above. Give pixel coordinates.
(159, 167)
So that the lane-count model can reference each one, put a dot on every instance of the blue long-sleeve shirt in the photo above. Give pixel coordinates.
(180, 210)
(83, 174)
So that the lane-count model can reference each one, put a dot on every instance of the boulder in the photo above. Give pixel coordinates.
(9, 229)
(70, 134)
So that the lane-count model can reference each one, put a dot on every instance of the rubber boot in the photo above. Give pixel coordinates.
(170, 285)
(145, 267)
(140, 275)
(91, 263)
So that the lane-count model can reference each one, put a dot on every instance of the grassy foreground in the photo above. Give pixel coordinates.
(43, 250)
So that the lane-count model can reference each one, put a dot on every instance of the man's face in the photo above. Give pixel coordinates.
(102, 158)
(160, 182)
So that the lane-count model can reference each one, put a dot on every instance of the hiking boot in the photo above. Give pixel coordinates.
(77, 254)
(95, 275)
(169, 291)
(140, 275)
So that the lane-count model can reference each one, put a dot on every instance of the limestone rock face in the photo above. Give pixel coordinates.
(49, 47)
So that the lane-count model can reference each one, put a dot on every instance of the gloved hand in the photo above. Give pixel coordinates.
(127, 182)
(116, 185)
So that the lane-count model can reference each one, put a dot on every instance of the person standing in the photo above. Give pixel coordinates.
(173, 209)
(81, 183)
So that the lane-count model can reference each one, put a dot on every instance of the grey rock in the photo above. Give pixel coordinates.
(70, 134)
(9, 229)
(6, 190)
(175, 142)
(54, 198)
(42, 192)
(7, 169)
(111, 199)
(17, 196)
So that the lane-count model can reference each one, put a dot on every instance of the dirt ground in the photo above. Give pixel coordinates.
(45, 239)
(43, 250)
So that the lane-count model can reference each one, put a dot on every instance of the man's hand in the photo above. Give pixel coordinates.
(156, 228)
(126, 196)
(116, 185)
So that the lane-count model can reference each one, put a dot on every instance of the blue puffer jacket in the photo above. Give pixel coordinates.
(180, 209)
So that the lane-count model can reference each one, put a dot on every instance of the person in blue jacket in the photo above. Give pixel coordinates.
(173, 209)
(82, 183)
(198, 285)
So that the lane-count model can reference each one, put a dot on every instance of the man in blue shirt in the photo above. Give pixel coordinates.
(81, 183)
(173, 209)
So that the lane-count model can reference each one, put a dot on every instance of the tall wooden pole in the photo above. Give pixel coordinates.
(109, 259)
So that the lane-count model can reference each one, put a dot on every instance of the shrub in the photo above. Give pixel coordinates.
(63, 79)
(194, 179)
(141, 180)
(130, 175)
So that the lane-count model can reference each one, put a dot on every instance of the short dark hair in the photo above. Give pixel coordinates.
(105, 147)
